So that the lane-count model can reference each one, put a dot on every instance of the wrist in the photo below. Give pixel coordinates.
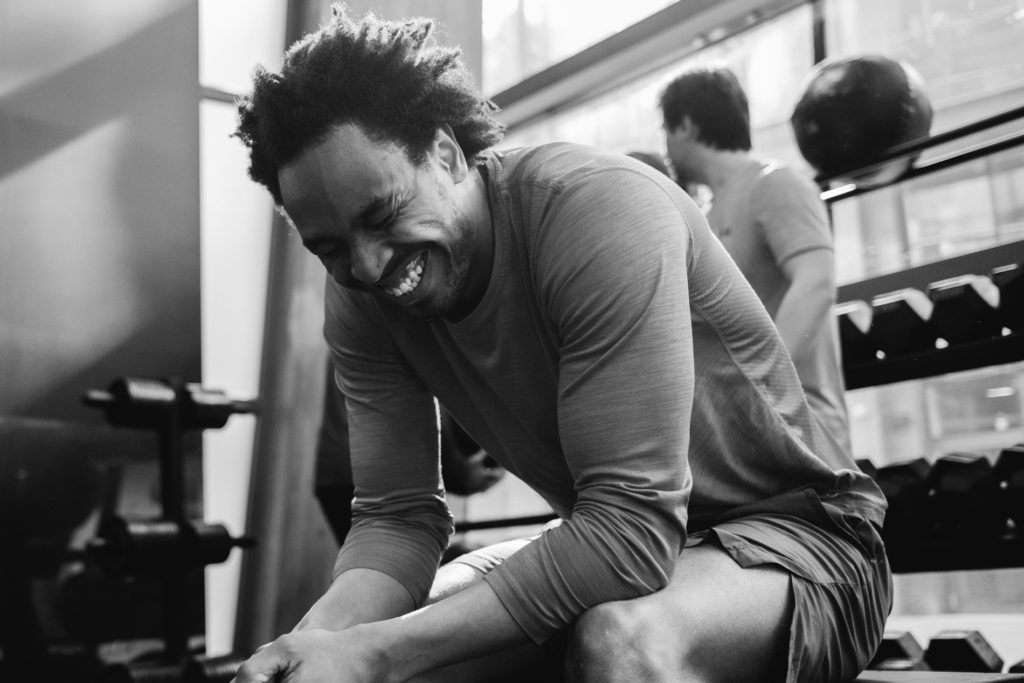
(383, 650)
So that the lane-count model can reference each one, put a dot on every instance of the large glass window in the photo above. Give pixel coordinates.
(523, 37)
(771, 61)
(968, 55)
(967, 51)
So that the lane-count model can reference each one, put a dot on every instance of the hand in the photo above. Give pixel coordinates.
(471, 473)
(466, 468)
(314, 656)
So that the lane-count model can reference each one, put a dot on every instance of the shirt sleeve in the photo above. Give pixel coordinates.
(400, 522)
(611, 270)
(791, 213)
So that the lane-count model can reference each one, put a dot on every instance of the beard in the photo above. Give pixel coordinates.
(451, 303)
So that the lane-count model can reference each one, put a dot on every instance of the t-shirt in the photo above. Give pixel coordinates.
(765, 215)
(618, 363)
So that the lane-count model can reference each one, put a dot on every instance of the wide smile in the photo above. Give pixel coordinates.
(408, 277)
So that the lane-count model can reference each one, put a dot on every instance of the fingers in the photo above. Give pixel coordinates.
(263, 666)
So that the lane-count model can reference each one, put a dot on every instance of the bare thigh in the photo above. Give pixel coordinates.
(715, 621)
(740, 616)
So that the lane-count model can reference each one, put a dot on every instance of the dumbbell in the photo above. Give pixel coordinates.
(1009, 280)
(216, 669)
(965, 496)
(898, 651)
(142, 672)
(901, 322)
(125, 547)
(90, 605)
(965, 308)
(854, 322)
(961, 650)
(149, 404)
(1009, 473)
(909, 517)
(197, 669)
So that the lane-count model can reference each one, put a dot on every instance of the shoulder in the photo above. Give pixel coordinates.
(554, 165)
(776, 176)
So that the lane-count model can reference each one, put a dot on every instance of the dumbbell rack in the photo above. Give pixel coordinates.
(169, 547)
(966, 355)
(992, 334)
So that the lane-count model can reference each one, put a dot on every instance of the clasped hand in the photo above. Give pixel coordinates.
(314, 656)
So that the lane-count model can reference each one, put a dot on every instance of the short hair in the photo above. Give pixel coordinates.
(385, 76)
(712, 98)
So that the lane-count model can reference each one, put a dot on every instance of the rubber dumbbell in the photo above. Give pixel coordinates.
(898, 651)
(909, 517)
(854, 322)
(198, 669)
(1009, 280)
(142, 672)
(1009, 473)
(216, 669)
(126, 547)
(965, 308)
(901, 322)
(965, 496)
(962, 650)
(149, 404)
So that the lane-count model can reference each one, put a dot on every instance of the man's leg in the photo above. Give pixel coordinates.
(715, 621)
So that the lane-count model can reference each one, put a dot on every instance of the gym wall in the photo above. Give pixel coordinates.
(99, 184)
(99, 252)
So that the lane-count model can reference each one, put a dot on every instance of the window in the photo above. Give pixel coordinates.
(771, 60)
(522, 37)
(235, 223)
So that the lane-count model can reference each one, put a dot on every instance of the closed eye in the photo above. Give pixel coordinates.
(385, 222)
(394, 208)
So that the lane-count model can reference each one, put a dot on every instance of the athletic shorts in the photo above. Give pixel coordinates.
(840, 578)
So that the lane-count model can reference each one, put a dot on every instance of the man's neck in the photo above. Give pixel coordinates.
(476, 208)
(723, 165)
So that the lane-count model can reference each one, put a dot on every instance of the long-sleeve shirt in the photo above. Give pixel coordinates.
(618, 363)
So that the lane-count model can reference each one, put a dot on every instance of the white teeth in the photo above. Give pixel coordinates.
(413, 273)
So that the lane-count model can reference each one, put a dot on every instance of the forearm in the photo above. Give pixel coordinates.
(467, 625)
(806, 306)
(799, 318)
(357, 596)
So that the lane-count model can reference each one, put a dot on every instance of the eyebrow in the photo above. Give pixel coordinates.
(362, 219)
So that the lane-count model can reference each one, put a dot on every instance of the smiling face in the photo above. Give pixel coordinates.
(382, 224)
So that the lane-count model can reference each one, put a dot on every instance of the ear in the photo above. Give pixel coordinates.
(449, 154)
(687, 128)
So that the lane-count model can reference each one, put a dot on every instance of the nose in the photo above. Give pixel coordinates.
(369, 258)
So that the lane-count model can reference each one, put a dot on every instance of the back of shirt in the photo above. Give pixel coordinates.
(765, 215)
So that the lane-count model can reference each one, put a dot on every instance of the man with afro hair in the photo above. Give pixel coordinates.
(572, 311)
